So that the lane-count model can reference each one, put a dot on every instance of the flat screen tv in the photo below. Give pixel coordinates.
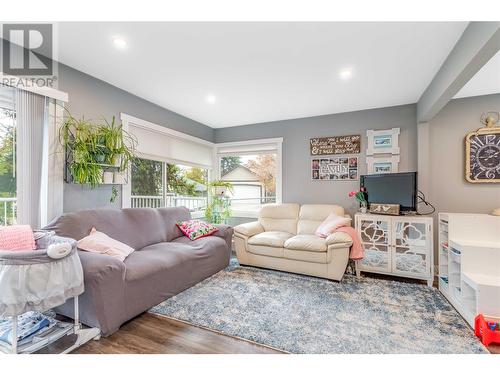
(394, 188)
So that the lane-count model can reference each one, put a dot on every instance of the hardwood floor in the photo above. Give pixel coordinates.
(153, 334)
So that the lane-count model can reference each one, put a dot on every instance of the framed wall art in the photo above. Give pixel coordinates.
(343, 168)
(383, 141)
(379, 165)
(338, 145)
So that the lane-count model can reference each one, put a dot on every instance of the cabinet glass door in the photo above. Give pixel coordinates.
(411, 244)
(374, 234)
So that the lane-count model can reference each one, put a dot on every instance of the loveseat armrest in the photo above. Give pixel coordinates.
(347, 216)
(338, 239)
(249, 229)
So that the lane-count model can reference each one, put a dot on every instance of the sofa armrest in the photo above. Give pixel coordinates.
(249, 229)
(102, 303)
(226, 233)
(338, 239)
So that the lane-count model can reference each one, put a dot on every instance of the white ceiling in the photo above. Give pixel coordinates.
(258, 72)
(486, 81)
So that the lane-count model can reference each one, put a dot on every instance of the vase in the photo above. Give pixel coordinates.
(363, 207)
(119, 178)
(107, 177)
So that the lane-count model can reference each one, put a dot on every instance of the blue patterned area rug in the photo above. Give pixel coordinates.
(300, 314)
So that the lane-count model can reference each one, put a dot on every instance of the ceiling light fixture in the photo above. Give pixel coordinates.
(345, 73)
(211, 99)
(119, 43)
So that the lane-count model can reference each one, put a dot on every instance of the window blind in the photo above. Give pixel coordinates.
(171, 148)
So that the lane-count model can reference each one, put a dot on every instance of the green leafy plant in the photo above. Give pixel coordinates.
(91, 148)
(219, 208)
(114, 194)
(119, 144)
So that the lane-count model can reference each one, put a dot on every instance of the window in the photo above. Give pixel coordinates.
(254, 170)
(171, 168)
(253, 178)
(187, 186)
(147, 183)
(161, 184)
(8, 190)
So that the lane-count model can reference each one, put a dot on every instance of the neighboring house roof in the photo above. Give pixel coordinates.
(198, 186)
(240, 173)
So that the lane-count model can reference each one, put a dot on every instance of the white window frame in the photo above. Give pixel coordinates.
(244, 146)
(127, 120)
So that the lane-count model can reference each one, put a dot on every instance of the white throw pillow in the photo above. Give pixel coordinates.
(99, 242)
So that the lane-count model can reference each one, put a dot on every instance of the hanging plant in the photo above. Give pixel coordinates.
(219, 208)
(91, 148)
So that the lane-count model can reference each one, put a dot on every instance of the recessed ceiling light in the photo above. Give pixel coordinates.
(211, 99)
(119, 43)
(345, 73)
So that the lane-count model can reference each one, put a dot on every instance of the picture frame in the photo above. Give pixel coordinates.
(341, 168)
(379, 165)
(383, 141)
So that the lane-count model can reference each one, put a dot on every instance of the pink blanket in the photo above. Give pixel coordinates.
(357, 250)
(17, 237)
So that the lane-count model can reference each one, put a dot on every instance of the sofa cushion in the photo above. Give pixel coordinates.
(272, 238)
(312, 215)
(306, 242)
(167, 256)
(306, 256)
(268, 251)
(279, 217)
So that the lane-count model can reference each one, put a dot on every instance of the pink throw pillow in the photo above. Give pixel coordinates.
(98, 242)
(331, 223)
(17, 238)
(194, 229)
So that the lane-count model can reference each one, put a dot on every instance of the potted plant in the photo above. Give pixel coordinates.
(360, 196)
(108, 177)
(219, 208)
(96, 152)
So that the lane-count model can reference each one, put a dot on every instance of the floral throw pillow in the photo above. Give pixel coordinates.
(194, 229)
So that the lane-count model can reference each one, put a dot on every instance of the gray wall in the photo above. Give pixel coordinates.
(297, 183)
(449, 191)
(96, 99)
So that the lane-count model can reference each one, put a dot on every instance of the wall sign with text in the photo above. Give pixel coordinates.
(344, 144)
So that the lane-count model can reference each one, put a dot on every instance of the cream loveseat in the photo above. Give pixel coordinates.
(283, 239)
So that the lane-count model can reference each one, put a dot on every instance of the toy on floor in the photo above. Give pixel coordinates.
(488, 332)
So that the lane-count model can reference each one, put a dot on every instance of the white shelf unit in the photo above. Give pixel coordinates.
(469, 264)
(397, 245)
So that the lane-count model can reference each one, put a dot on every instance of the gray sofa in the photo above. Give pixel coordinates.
(163, 264)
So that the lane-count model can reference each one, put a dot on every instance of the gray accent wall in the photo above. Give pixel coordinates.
(449, 191)
(96, 99)
(298, 185)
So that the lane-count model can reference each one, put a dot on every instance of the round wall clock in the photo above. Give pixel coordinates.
(482, 152)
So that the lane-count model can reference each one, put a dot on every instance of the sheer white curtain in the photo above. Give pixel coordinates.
(39, 159)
